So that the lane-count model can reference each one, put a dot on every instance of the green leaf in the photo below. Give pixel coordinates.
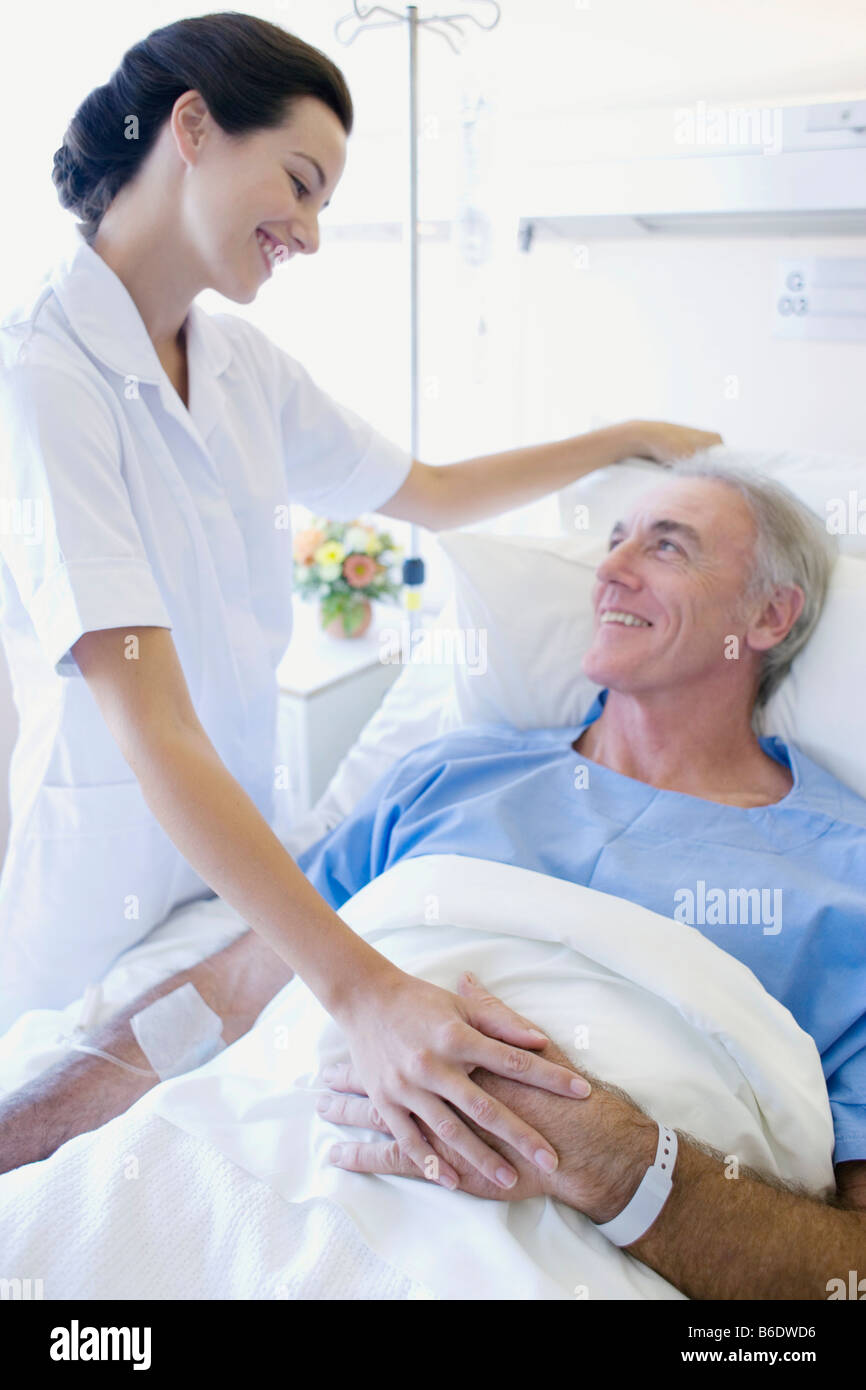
(353, 618)
(332, 607)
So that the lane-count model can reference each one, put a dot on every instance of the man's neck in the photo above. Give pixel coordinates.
(708, 750)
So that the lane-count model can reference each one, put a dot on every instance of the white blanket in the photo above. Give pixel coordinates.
(688, 1031)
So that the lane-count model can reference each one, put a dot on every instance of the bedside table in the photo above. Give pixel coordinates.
(329, 687)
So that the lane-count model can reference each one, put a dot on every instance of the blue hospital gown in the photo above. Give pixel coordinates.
(493, 792)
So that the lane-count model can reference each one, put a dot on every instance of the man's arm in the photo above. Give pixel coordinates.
(82, 1092)
(747, 1237)
(717, 1237)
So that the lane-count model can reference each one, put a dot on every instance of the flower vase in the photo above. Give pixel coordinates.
(344, 625)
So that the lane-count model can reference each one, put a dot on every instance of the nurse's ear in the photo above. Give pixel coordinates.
(190, 124)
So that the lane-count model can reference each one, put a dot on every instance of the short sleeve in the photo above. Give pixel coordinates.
(70, 538)
(336, 463)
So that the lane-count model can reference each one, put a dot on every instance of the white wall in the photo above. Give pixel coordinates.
(682, 329)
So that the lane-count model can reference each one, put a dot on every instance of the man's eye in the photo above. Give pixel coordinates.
(614, 540)
(664, 541)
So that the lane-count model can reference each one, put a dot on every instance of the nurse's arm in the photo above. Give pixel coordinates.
(83, 1092)
(457, 494)
(414, 1042)
(138, 683)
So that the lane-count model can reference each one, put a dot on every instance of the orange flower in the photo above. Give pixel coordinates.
(306, 544)
(359, 570)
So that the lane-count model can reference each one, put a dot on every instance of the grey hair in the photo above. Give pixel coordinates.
(792, 546)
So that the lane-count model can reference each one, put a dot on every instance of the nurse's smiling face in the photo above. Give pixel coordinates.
(676, 566)
(274, 181)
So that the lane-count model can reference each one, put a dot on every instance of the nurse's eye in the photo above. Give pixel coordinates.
(298, 185)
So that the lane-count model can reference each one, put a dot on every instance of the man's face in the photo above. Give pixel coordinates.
(679, 562)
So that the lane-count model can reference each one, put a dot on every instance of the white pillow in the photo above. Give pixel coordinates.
(817, 705)
(532, 596)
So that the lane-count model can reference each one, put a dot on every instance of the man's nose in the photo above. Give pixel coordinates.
(618, 563)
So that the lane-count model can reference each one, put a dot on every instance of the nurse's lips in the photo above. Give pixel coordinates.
(274, 252)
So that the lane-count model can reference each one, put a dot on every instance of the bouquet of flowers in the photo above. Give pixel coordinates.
(345, 564)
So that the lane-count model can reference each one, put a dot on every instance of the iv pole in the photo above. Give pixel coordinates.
(413, 566)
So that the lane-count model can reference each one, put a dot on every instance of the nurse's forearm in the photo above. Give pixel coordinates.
(482, 487)
(223, 835)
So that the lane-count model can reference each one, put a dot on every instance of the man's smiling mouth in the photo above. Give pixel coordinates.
(618, 615)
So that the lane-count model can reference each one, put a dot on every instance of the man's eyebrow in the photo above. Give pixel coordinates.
(318, 168)
(664, 526)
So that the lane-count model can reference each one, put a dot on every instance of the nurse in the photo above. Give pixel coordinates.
(153, 451)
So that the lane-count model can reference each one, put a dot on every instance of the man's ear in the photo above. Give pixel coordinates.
(776, 618)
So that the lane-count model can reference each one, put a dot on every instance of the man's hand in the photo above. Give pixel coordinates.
(753, 1238)
(605, 1144)
(664, 443)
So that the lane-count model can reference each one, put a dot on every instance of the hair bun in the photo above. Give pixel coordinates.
(64, 162)
(69, 179)
(65, 165)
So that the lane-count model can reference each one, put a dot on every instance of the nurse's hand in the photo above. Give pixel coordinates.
(413, 1046)
(663, 443)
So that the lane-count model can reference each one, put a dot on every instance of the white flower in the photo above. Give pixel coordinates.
(356, 538)
(330, 572)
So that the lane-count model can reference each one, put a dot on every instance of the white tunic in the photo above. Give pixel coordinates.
(120, 508)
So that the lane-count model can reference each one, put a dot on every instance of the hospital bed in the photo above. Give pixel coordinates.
(215, 1184)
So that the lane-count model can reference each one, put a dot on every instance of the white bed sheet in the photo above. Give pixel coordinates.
(683, 1027)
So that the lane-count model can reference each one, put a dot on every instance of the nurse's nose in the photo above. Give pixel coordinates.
(306, 236)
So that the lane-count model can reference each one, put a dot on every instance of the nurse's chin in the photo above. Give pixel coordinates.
(238, 291)
(238, 282)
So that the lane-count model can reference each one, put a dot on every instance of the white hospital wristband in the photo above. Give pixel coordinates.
(645, 1206)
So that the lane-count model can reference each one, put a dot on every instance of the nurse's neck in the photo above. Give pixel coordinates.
(144, 246)
(686, 742)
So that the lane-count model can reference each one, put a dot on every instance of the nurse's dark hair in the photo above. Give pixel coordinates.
(248, 71)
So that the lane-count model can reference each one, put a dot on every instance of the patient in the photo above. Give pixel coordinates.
(664, 795)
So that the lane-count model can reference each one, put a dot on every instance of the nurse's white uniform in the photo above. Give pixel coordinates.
(123, 509)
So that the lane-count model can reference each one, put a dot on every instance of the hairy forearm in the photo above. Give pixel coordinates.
(717, 1236)
(82, 1092)
(742, 1237)
(222, 834)
(482, 487)
(75, 1096)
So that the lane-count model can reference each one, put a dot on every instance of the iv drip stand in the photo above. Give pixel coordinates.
(413, 566)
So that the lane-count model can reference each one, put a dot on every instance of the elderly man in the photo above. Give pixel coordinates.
(710, 587)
